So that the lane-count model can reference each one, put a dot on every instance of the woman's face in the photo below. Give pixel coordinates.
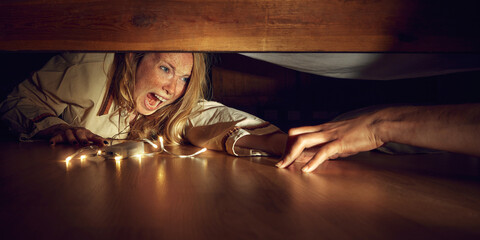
(161, 78)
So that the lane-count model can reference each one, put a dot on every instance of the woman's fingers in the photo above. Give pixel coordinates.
(297, 144)
(71, 137)
(81, 135)
(75, 136)
(58, 138)
(97, 140)
(84, 136)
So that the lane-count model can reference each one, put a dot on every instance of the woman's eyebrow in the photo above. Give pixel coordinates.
(174, 69)
(169, 64)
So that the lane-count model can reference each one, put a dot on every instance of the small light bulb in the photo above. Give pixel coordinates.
(83, 157)
(99, 152)
(139, 157)
(68, 159)
(118, 158)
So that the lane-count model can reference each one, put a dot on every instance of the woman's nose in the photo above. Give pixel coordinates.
(169, 86)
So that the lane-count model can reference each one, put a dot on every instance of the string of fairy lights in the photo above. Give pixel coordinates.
(128, 149)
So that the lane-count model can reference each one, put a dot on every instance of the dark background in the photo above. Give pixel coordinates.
(290, 98)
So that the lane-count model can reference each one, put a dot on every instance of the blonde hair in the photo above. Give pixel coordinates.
(168, 121)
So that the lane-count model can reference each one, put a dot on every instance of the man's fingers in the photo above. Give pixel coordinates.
(329, 150)
(311, 129)
(303, 130)
(346, 154)
(297, 145)
(293, 151)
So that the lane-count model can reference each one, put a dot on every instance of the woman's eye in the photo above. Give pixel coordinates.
(165, 69)
(185, 79)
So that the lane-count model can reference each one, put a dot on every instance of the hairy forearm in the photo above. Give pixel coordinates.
(454, 128)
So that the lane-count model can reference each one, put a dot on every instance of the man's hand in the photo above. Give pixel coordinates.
(453, 128)
(329, 141)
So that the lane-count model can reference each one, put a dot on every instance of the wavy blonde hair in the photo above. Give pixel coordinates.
(169, 121)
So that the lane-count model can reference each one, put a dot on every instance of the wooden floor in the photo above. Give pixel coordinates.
(215, 196)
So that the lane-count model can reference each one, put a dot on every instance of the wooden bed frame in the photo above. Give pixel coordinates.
(28, 27)
(240, 25)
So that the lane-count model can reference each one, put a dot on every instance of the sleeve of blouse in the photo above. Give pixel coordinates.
(217, 127)
(36, 103)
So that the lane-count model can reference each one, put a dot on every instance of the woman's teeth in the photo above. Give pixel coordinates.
(160, 98)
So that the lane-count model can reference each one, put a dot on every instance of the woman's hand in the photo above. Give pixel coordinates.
(329, 141)
(62, 133)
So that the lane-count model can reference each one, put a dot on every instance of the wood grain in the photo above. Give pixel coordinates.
(213, 196)
(241, 25)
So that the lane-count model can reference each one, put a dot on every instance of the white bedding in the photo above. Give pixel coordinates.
(373, 66)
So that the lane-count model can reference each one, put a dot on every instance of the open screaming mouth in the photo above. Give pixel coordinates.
(153, 100)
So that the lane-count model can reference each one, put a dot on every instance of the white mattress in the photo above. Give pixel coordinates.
(373, 66)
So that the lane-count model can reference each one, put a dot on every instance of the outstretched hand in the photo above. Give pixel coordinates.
(315, 144)
(62, 133)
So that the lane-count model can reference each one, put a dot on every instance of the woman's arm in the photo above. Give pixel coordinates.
(217, 127)
(33, 108)
(273, 143)
(454, 128)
